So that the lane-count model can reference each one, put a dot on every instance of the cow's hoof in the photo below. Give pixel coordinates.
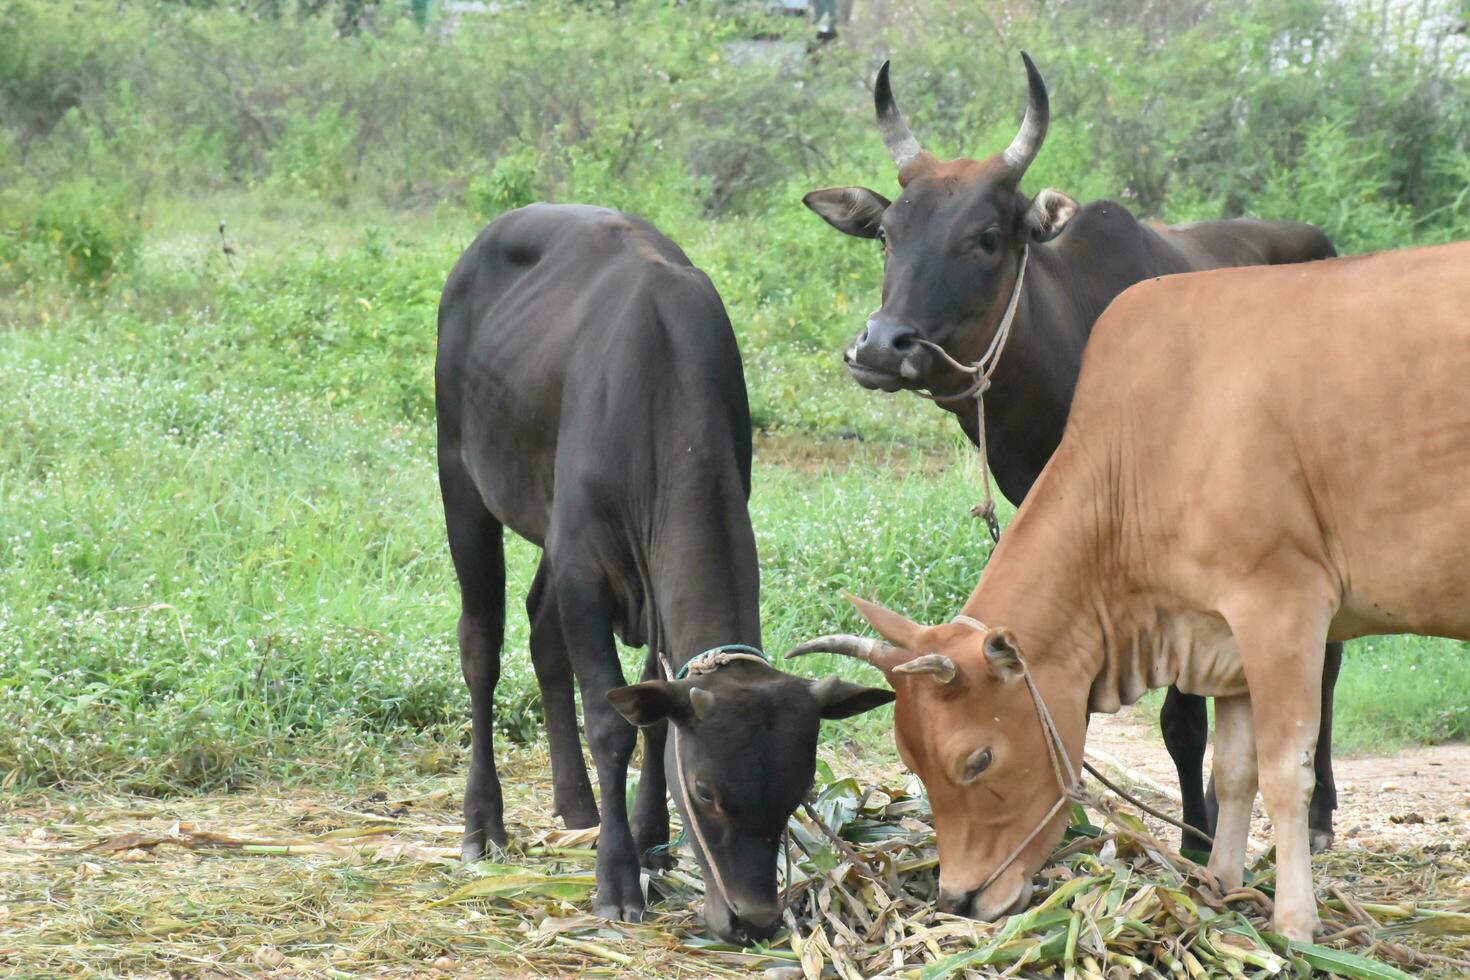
(574, 819)
(658, 860)
(1301, 929)
(484, 831)
(1194, 844)
(471, 851)
(1319, 840)
(620, 913)
(579, 812)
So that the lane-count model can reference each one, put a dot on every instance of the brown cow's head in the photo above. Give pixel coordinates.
(966, 723)
(951, 245)
(747, 753)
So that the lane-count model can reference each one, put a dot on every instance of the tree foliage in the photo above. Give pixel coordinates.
(1350, 115)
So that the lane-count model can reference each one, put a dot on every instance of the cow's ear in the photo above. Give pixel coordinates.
(853, 211)
(1049, 214)
(1003, 655)
(838, 698)
(650, 702)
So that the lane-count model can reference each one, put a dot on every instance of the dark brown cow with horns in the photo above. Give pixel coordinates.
(987, 291)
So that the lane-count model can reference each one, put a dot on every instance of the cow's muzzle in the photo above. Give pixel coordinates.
(757, 928)
(747, 923)
(887, 355)
(969, 905)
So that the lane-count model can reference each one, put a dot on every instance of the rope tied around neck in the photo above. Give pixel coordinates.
(715, 658)
(1069, 781)
(982, 370)
(708, 662)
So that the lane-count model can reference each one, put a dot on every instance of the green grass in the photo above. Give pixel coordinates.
(221, 546)
(1402, 689)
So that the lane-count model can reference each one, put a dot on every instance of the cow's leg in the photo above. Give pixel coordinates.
(586, 623)
(1324, 797)
(570, 788)
(1281, 649)
(477, 546)
(1186, 726)
(1235, 787)
(651, 806)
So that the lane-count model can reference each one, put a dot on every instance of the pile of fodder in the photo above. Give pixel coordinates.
(299, 884)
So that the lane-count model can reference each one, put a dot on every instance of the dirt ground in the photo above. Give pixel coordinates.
(1409, 798)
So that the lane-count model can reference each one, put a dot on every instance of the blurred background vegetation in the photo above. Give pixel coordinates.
(1350, 114)
(223, 228)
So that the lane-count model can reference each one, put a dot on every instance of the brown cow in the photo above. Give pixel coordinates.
(1216, 512)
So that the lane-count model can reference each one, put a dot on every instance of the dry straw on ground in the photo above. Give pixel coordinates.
(306, 885)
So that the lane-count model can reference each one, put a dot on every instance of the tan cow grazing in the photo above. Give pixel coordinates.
(1257, 461)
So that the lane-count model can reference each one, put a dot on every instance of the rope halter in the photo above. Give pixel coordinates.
(982, 370)
(714, 658)
(708, 662)
(1068, 781)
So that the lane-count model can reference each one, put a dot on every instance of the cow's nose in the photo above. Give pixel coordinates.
(753, 925)
(956, 903)
(884, 343)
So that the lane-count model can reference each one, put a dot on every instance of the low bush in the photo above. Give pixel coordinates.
(79, 232)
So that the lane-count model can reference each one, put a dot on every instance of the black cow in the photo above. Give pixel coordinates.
(590, 398)
(954, 243)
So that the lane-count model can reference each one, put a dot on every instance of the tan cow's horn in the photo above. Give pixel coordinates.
(930, 663)
(862, 648)
(896, 135)
(1027, 144)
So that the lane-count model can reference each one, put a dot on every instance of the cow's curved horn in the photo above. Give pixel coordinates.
(1027, 144)
(863, 648)
(930, 663)
(896, 135)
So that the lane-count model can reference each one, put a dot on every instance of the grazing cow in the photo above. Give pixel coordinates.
(955, 244)
(1215, 513)
(590, 398)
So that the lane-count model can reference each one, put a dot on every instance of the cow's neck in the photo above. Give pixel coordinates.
(1031, 389)
(702, 568)
(1058, 581)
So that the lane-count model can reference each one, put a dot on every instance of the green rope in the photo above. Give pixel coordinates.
(712, 651)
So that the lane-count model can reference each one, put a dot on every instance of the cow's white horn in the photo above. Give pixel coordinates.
(863, 648)
(896, 134)
(936, 664)
(1027, 144)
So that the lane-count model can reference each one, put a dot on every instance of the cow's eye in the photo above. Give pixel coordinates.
(882, 239)
(977, 763)
(702, 793)
(989, 239)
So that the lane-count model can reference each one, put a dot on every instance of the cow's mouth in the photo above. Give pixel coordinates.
(906, 375)
(970, 906)
(1017, 903)
(875, 379)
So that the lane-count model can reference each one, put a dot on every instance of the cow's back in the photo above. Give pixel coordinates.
(562, 330)
(1319, 409)
(1232, 242)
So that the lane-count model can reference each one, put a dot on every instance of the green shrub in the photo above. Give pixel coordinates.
(1341, 185)
(80, 232)
(510, 183)
(315, 154)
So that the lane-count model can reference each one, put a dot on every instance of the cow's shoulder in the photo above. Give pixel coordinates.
(1100, 223)
(1104, 249)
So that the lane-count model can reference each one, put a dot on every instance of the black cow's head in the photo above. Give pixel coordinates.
(952, 245)
(747, 751)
